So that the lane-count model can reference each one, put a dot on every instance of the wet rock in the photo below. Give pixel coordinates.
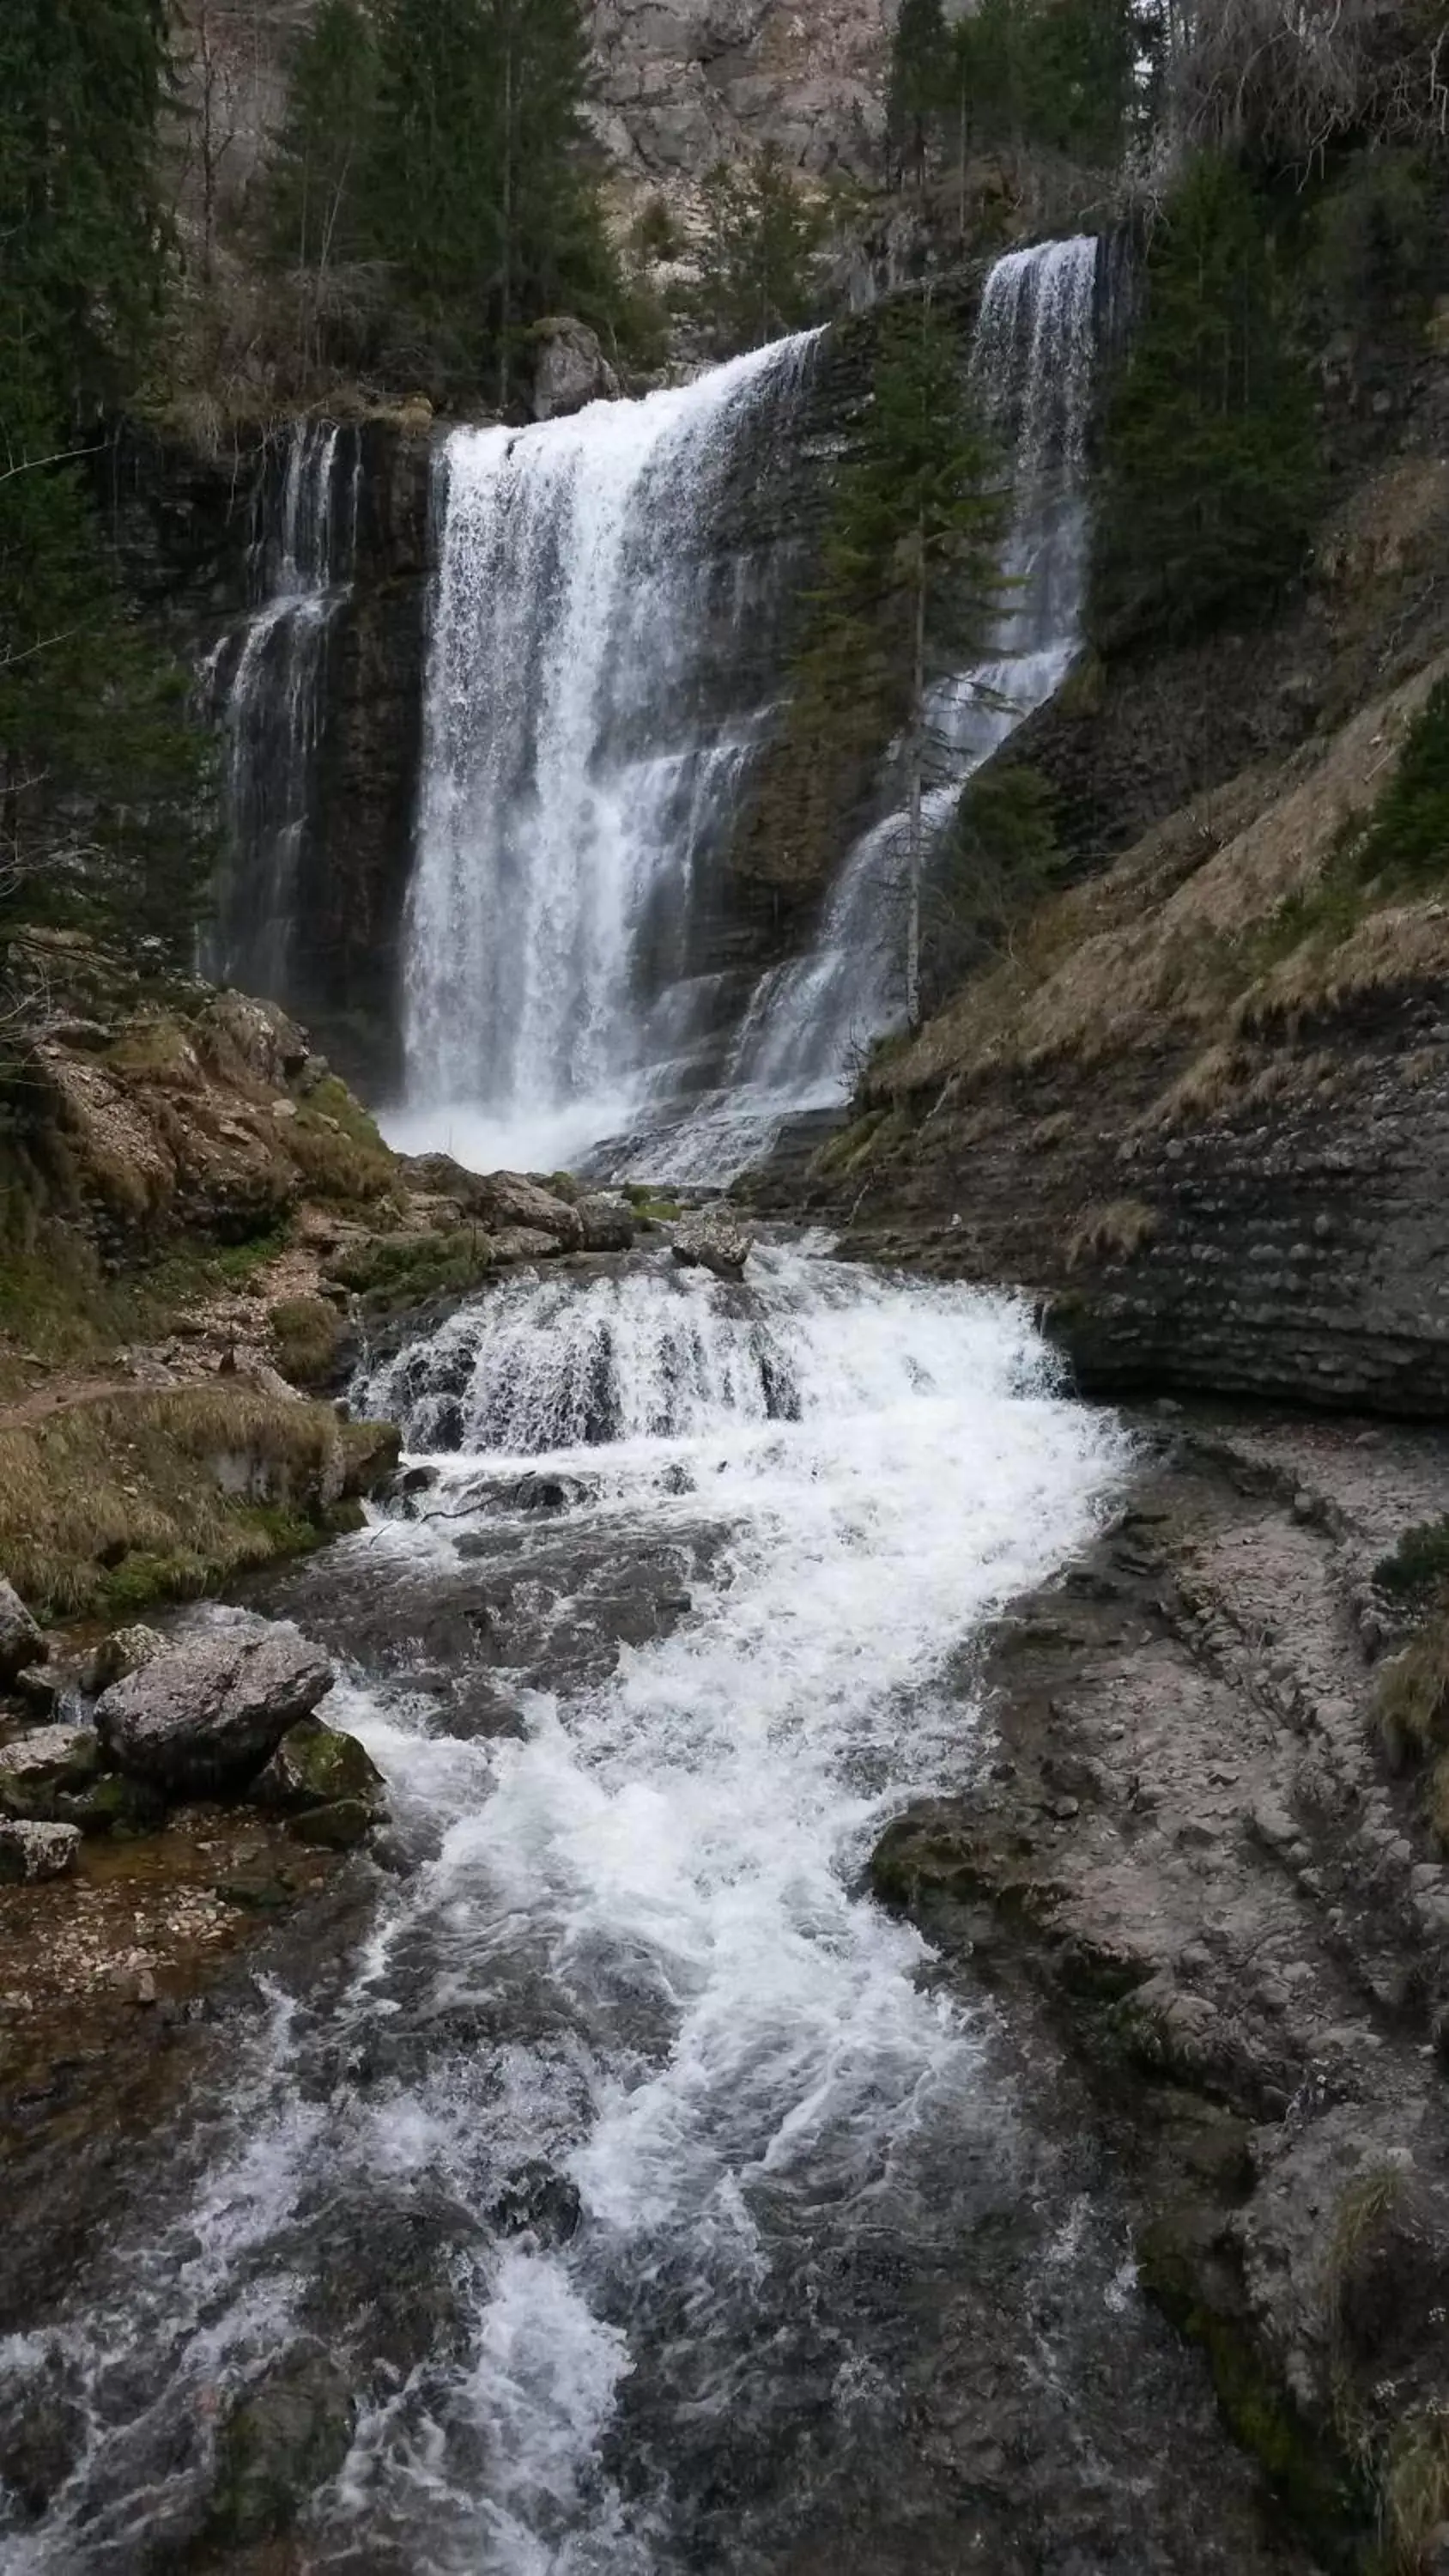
(570, 368)
(714, 1240)
(206, 1715)
(40, 1688)
(537, 2201)
(317, 1766)
(21, 1643)
(31, 1852)
(609, 1222)
(42, 1766)
(340, 1827)
(125, 1651)
(519, 1243)
(283, 2439)
(505, 1202)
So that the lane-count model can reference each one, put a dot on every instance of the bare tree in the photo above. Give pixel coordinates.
(1286, 78)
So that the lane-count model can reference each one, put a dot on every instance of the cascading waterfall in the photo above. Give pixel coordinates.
(581, 764)
(267, 685)
(583, 769)
(1032, 369)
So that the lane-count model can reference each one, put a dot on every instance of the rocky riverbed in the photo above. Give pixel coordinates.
(610, 2149)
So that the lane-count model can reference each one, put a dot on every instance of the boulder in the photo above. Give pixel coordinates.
(608, 1221)
(31, 1852)
(271, 1047)
(714, 1240)
(315, 1766)
(206, 1715)
(519, 1243)
(39, 1769)
(337, 1828)
(570, 368)
(125, 1651)
(504, 1200)
(21, 1642)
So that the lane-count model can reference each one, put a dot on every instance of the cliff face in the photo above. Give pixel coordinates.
(1201, 1111)
(683, 85)
(187, 526)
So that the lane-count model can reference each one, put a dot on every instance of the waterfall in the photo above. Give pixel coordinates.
(267, 689)
(1032, 369)
(583, 754)
(600, 677)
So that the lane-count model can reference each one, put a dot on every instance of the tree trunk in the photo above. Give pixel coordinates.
(916, 760)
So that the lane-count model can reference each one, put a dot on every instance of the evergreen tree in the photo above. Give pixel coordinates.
(100, 774)
(910, 576)
(84, 240)
(762, 235)
(1213, 469)
(313, 186)
(476, 192)
(919, 80)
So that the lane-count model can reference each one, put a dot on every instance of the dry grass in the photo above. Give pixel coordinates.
(1412, 1704)
(1113, 1233)
(1415, 2491)
(1170, 940)
(126, 1497)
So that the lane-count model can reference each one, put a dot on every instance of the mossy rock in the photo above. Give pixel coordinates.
(317, 1767)
(311, 1340)
(337, 1828)
(283, 2440)
(391, 1273)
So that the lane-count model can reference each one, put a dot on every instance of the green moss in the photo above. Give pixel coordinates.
(309, 1335)
(1316, 2484)
(391, 1273)
(337, 1148)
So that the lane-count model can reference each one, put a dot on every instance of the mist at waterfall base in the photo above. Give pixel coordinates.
(586, 759)
(618, 2193)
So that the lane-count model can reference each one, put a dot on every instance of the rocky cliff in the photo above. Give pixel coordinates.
(1201, 1109)
(685, 85)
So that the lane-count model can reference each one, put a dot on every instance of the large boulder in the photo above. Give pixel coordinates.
(29, 1852)
(317, 1766)
(48, 1763)
(570, 368)
(714, 1240)
(21, 1642)
(608, 1221)
(208, 1714)
(258, 1035)
(508, 1201)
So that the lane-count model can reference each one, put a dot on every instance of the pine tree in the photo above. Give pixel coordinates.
(919, 81)
(314, 178)
(1213, 469)
(100, 775)
(910, 575)
(476, 191)
(763, 233)
(81, 222)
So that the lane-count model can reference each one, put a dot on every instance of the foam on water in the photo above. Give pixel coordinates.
(713, 2023)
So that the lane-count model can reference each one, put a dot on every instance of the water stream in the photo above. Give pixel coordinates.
(619, 2193)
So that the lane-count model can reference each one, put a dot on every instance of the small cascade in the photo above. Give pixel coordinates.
(1033, 368)
(586, 733)
(267, 687)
